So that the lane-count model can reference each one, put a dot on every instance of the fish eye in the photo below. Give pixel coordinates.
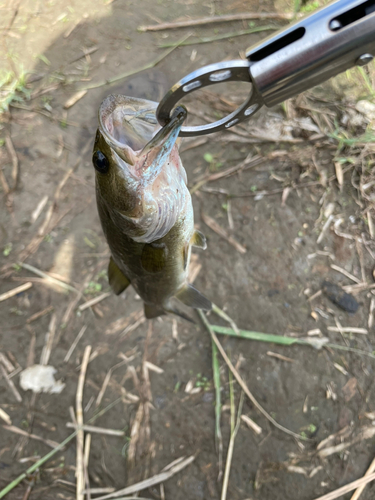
(100, 162)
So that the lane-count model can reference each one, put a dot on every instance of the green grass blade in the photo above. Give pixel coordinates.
(262, 337)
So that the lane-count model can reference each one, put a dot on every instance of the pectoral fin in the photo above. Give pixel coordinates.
(190, 296)
(198, 240)
(117, 280)
(153, 311)
(154, 257)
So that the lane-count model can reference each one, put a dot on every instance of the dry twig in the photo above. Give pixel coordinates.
(217, 19)
(222, 232)
(80, 434)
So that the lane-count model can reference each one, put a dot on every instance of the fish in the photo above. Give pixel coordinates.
(144, 205)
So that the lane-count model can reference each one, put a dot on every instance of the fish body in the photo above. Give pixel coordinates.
(144, 204)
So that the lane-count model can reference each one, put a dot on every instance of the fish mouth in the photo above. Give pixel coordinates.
(130, 127)
(127, 124)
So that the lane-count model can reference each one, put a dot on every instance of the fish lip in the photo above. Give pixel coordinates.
(168, 134)
(112, 103)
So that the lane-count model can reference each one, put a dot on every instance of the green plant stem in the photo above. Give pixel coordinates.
(218, 435)
(280, 339)
(220, 37)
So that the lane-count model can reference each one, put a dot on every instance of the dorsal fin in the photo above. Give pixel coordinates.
(190, 296)
(198, 240)
(117, 279)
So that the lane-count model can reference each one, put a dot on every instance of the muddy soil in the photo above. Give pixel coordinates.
(265, 289)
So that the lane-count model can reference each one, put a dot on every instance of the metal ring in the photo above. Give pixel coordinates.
(227, 71)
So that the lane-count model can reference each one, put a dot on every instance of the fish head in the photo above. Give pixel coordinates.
(126, 125)
(136, 161)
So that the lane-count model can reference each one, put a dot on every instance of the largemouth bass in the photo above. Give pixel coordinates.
(144, 205)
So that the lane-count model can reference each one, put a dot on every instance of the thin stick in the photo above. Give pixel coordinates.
(225, 317)
(46, 353)
(347, 329)
(147, 483)
(250, 423)
(16, 430)
(359, 490)
(211, 223)
(346, 273)
(80, 433)
(49, 278)
(217, 19)
(241, 382)
(96, 430)
(230, 449)
(106, 380)
(86, 464)
(218, 435)
(134, 71)
(347, 488)
(39, 314)
(4, 416)
(13, 155)
(15, 291)
(94, 301)
(74, 345)
(220, 37)
(10, 383)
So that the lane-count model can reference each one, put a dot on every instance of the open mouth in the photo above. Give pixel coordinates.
(128, 122)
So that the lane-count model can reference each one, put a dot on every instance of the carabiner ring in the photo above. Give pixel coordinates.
(227, 71)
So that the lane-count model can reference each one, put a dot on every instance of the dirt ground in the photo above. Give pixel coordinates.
(299, 211)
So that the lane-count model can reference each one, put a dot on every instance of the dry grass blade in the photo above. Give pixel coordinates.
(216, 19)
(96, 430)
(39, 208)
(80, 433)
(106, 381)
(4, 416)
(74, 345)
(147, 483)
(74, 99)
(16, 430)
(242, 383)
(48, 277)
(348, 488)
(10, 383)
(15, 291)
(217, 385)
(251, 424)
(217, 38)
(280, 356)
(13, 155)
(94, 301)
(359, 490)
(249, 162)
(39, 314)
(221, 232)
(347, 329)
(47, 349)
(346, 273)
(225, 317)
(233, 435)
